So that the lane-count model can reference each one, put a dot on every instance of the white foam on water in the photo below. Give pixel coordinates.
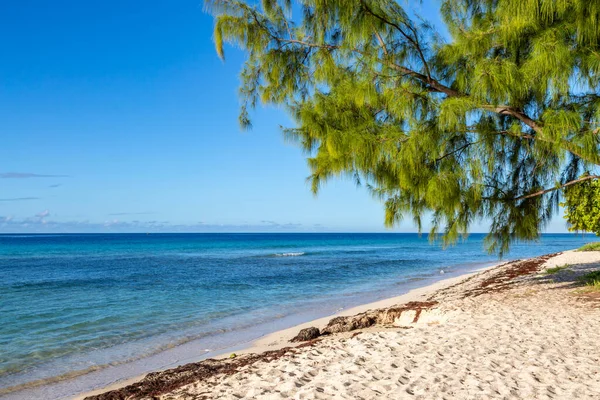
(297, 254)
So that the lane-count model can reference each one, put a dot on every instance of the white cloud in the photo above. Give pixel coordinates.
(20, 199)
(43, 214)
(42, 223)
(26, 175)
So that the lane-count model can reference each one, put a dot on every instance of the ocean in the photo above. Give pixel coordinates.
(79, 311)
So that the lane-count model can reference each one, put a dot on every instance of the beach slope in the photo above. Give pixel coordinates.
(525, 329)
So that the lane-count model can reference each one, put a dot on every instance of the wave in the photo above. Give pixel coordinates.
(293, 254)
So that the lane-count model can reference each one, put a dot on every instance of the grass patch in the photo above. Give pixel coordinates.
(594, 246)
(591, 281)
(591, 278)
(556, 270)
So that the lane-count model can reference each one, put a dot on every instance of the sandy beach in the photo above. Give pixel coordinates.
(241, 199)
(514, 331)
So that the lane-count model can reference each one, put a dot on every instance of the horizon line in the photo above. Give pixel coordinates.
(260, 232)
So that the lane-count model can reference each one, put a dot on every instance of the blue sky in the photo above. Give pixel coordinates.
(119, 116)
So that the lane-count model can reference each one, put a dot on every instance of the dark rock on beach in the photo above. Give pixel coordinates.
(383, 316)
(306, 334)
(347, 324)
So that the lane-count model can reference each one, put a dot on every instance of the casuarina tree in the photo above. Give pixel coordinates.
(491, 120)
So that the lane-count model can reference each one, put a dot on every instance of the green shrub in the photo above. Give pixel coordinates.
(591, 279)
(594, 246)
(556, 270)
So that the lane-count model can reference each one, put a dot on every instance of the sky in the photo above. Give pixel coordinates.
(118, 116)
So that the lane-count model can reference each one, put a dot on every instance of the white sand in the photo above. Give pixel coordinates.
(589, 258)
(530, 337)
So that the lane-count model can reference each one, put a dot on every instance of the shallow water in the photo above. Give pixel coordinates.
(73, 303)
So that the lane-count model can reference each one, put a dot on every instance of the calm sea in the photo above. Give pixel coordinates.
(124, 304)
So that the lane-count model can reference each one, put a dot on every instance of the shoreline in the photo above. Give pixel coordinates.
(281, 338)
(338, 274)
(178, 355)
(522, 329)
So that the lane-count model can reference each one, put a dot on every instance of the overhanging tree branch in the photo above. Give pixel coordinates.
(357, 73)
(542, 192)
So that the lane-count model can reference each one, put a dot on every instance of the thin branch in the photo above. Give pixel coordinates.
(420, 50)
(381, 43)
(433, 84)
(307, 44)
(456, 151)
(508, 133)
(412, 41)
(512, 111)
(542, 192)
(287, 25)
(521, 116)
(495, 188)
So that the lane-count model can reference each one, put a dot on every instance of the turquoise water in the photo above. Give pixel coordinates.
(80, 302)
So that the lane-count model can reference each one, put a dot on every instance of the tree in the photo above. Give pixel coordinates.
(490, 123)
(582, 206)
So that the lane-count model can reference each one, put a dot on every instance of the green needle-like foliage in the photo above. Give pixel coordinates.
(490, 124)
(582, 206)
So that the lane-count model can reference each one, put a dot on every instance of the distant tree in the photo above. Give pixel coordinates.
(490, 123)
(582, 206)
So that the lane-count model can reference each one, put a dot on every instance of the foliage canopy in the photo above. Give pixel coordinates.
(490, 122)
(582, 206)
